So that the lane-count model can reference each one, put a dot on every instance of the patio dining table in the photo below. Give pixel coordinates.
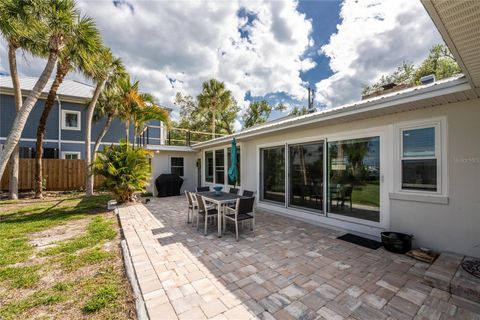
(221, 200)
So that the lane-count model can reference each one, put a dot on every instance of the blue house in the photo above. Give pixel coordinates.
(65, 130)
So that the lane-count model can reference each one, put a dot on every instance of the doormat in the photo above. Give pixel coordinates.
(364, 242)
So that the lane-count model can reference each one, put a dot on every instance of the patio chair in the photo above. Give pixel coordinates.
(344, 194)
(243, 211)
(202, 189)
(247, 193)
(192, 206)
(205, 211)
(234, 190)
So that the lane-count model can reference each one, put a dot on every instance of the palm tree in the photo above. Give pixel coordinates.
(215, 101)
(108, 106)
(80, 47)
(106, 67)
(47, 22)
(130, 100)
(147, 111)
(12, 15)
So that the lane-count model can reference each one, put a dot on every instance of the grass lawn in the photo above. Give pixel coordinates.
(60, 258)
(368, 194)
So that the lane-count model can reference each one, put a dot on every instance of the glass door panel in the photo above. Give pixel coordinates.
(354, 178)
(273, 174)
(306, 176)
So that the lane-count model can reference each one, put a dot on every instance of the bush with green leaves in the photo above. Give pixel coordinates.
(126, 170)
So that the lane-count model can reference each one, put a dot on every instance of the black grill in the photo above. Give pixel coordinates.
(168, 185)
(472, 266)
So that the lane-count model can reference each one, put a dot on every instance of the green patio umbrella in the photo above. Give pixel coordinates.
(233, 170)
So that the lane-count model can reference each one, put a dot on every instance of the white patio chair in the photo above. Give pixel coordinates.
(192, 206)
(206, 211)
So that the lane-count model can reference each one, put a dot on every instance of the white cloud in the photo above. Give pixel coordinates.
(373, 38)
(193, 41)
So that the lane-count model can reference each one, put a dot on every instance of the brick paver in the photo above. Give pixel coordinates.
(287, 270)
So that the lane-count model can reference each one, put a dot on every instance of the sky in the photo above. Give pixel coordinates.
(269, 50)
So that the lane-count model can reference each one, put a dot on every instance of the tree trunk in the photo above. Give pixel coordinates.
(127, 131)
(213, 119)
(106, 126)
(88, 138)
(22, 116)
(62, 70)
(14, 158)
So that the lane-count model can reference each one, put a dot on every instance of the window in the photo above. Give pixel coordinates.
(306, 175)
(26, 153)
(354, 178)
(209, 166)
(229, 162)
(70, 120)
(176, 166)
(71, 155)
(220, 166)
(273, 174)
(419, 159)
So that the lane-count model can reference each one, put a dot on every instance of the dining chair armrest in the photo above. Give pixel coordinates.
(232, 210)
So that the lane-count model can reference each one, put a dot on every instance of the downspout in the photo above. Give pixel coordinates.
(59, 127)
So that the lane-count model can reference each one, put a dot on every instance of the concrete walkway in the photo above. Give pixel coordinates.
(288, 270)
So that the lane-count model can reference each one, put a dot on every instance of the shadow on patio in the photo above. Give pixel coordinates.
(288, 270)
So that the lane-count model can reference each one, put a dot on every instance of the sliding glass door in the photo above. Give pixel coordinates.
(272, 178)
(306, 175)
(354, 178)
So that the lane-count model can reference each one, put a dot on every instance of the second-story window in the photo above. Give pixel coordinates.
(71, 120)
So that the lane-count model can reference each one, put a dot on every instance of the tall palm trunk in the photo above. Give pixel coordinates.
(88, 138)
(214, 120)
(127, 131)
(106, 126)
(14, 158)
(62, 70)
(22, 116)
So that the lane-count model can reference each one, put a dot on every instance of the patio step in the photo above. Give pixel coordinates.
(447, 274)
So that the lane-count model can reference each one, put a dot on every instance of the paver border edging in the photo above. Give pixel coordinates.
(132, 278)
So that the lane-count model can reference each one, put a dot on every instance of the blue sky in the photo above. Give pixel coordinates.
(325, 17)
(261, 49)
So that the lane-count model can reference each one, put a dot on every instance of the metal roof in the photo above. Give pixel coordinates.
(459, 24)
(445, 91)
(69, 89)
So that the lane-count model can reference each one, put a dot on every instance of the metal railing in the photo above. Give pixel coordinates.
(173, 136)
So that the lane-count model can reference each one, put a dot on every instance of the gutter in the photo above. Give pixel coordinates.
(382, 102)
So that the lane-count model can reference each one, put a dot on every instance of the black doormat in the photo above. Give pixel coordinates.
(364, 242)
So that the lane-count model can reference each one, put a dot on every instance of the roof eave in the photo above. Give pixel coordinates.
(437, 20)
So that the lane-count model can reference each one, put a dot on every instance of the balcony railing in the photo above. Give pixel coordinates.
(160, 135)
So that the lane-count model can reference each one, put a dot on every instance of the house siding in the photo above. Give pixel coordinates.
(71, 140)
(453, 226)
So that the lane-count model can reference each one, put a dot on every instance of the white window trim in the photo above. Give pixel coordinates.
(78, 153)
(170, 164)
(79, 122)
(439, 196)
(225, 161)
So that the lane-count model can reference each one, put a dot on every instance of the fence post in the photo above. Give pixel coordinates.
(189, 138)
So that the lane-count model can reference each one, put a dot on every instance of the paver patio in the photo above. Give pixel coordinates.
(288, 270)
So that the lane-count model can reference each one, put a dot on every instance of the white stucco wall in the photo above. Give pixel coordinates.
(161, 164)
(454, 226)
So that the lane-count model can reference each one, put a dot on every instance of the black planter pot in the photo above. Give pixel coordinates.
(397, 242)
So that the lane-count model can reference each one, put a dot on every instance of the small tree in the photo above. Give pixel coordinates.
(258, 112)
(126, 170)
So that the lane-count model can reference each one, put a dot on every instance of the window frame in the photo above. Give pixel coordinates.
(205, 164)
(439, 124)
(225, 165)
(79, 120)
(77, 153)
(172, 166)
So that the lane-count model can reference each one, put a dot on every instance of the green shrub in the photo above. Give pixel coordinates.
(126, 170)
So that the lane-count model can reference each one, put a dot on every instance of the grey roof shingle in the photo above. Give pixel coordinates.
(70, 88)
